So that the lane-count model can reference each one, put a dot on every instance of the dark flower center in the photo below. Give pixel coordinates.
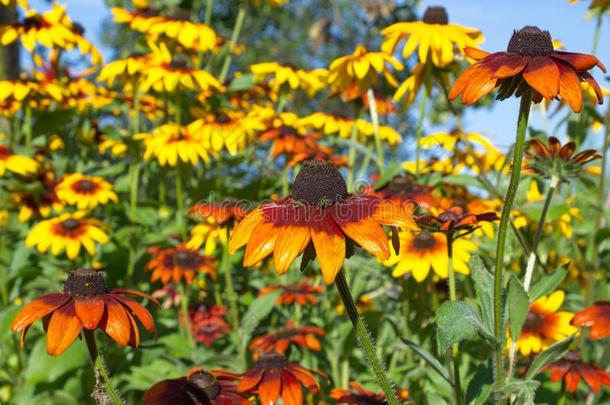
(533, 321)
(85, 283)
(177, 62)
(319, 183)
(222, 118)
(271, 361)
(184, 258)
(285, 333)
(207, 383)
(288, 130)
(84, 186)
(32, 22)
(436, 15)
(78, 29)
(448, 216)
(424, 241)
(70, 224)
(530, 41)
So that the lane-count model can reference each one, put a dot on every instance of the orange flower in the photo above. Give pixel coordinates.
(529, 63)
(279, 341)
(455, 219)
(208, 323)
(179, 263)
(198, 386)
(302, 293)
(85, 303)
(322, 219)
(571, 368)
(224, 212)
(597, 317)
(273, 377)
(362, 396)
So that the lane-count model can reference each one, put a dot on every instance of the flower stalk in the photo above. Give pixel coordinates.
(99, 367)
(375, 121)
(239, 22)
(455, 351)
(420, 125)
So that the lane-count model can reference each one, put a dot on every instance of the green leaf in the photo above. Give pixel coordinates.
(428, 358)
(257, 311)
(484, 286)
(481, 385)
(522, 390)
(548, 283)
(20, 257)
(243, 82)
(392, 170)
(518, 306)
(457, 321)
(550, 355)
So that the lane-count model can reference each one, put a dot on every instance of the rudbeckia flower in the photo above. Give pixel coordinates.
(334, 124)
(433, 37)
(302, 293)
(67, 232)
(310, 82)
(571, 369)
(228, 130)
(361, 69)
(171, 142)
(425, 251)
(597, 317)
(42, 200)
(545, 324)
(207, 323)
(198, 386)
(11, 3)
(86, 192)
(280, 341)
(273, 377)
(225, 212)
(362, 396)
(85, 303)
(36, 92)
(178, 263)
(209, 234)
(530, 62)
(125, 69)
(321, 219)
(18, 164)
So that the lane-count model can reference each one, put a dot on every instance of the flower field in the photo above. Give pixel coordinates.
(284, 202)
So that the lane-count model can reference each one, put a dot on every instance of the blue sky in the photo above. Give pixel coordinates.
(497, 19)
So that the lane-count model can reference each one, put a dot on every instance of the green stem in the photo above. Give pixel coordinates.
(285, 182)
(184, 310)
(281, 102)
(524, 110)
(134, 174)
(420, 125)
(598, 26)
(364, 338)
(351, 155)
(457, 384)
(375, 121)
(225, 266)
(180, 202)
(239, 22)
(27, 125)
(208, 11)
(99, 367)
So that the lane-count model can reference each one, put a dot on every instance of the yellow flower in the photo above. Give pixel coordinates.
(227, 129)
(4, 217)
(86, 192)
(208, 234)
(332, 124)
(18, 164)
(545, 324)
(420, 253)
(67, 232)
(171, 142)
(11, 3)
(117, 148)
(433, 38)
(127, 68)
(444, 166)
(309, 81)
(449, 140)
(35, 91)
(352, 75)
(166, 72)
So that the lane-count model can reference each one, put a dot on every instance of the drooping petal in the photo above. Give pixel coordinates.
(292, 394)
(261, 243)
(89, 311)
(139, 311)
(570, 89)
(64, 327)
(329, 243)
(291, 242)
(270, 387)
(115, 321)
(580, 61)
(250, 380)
(243, 231)
(37, 309)
(363, 230)
(542, 74)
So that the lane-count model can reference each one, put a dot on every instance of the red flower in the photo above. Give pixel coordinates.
(597, 316)
(228, 210)
(362, 396)
(302, 293)
(208, 323)
(279, 341)
(572, 369)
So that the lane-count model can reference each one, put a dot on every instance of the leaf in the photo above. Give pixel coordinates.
(20, 257)
(428, 358)
(550, 355)
(483, 285)
(548, 283)
(523, 390)
(518, 306)
(243, 82)
(481, 386)
(257, 311)
(457, 321)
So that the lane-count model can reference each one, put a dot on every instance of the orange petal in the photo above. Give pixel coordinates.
(507, 65)
(463, 81)
(250, 380)
(64, 327)
(580, 61)
(304, 377)
(329, 243)
(569, 87)
(134, 338)
(598, 91)
(269, 388)
(481, 83)
(37, 309)
(367, 233)
(542, 74)
(261, 243)
(292, 394)
(243, 231)
(291, 241)
(474, 53)
(139, 311)
(572, 379)
(89, 311)
(116, 322)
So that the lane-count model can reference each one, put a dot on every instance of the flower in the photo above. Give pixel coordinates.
(86, 192)
(362, 396)
(309, 81)
(545, 324)
(230, 130)
(552, 160)
(66, 232)
(178, 263)
(571, 368)
(303, 293)
(126, 68)
(455, 219)
(529, 63)
(42, 200)
(279, 341)
(85, 303)
(208, 323)
(360, 70)
(209, 234)
(198, 386)
(597, 317)
(432, 37)
(18, 164)
(273, 377)
(172, 142)
(224, 212)
(336, 124)
(420, 253)
(322, 215)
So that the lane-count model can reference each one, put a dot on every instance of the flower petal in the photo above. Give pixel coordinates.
(89, 311)
(64, 327)
(542, 74)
